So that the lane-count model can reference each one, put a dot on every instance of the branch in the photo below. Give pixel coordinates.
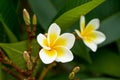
(11, 73)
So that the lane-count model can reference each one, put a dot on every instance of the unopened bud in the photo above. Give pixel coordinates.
(26, 56)
(29, 65)
(34, 20)
(71, 75)
(26, 17)
(76, 69)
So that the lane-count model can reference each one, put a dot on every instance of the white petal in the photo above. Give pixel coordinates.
(95, 23)
(46, 57)
(82, 23)
(100, 37)
(91, 45)
(64, 55)
(53, 33)
(42, 40)
(66, 40)
(78, 33)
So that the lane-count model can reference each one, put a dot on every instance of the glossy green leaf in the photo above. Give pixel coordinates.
(71, 16)
(111, 28)
(102, 11)
(106, 62)
(9, 33)
(44, 10)
(9, 20)
(58, 4)
(81, 50)
(15, 51)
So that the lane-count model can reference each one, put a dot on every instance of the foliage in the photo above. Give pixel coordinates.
(100, 65)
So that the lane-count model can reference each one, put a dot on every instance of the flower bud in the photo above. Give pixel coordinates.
(26, 17)
(71, 75)
(29, 65)
(76, 69)
(26, 56)
(34, 20)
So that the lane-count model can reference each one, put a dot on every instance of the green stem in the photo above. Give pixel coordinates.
(45, 70)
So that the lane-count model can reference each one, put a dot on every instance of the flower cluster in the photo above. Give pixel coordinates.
(56, 47)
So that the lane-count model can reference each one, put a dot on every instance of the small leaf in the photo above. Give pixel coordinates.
(71, 16)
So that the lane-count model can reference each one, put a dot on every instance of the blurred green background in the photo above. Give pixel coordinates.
(103, 64)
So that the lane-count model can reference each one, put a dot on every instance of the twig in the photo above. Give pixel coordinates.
(45, 70)
(17, 69)
(11, 73)
(5, 60)
(77, 37)
(35, 63)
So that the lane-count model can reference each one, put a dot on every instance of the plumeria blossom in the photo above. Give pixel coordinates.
(56, 47)
(89, 34)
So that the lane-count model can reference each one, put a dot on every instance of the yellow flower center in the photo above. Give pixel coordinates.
(88, 33)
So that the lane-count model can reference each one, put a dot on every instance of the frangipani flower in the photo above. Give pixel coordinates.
(89, 34)
(55, 47)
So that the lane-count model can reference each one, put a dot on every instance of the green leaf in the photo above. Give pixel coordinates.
(9, 33)
(9, 19)
(111, 28)
(44, 10)
(1, 74)
(106, 62)
(99, 79)
(81, 50)
(4, 75)
(15, 51)
(7, 76)
(58, 4)
(63, 76)
(71, 16)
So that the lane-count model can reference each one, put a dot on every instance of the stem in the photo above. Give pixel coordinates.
(77, 37)
(45, 70)
(35, 63)
(5, 60)
(11, 73)
(17, 69)
(33, 31)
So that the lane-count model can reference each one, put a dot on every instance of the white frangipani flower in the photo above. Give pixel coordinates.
(89, 34)
(56, 47)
